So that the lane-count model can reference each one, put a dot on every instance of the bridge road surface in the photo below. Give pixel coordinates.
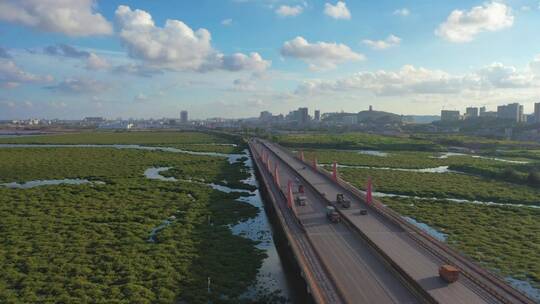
(416, 261)
(360, 275)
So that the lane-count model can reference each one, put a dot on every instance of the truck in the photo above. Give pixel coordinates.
(341, 200)
(301, 200)
(332, 214)
(449, 273)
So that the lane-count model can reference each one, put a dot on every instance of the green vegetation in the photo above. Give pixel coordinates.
(89, 243)
(355, 141)
(527, 174)
(183, 140)
(396, 159)
(446, 185)
(505, 239)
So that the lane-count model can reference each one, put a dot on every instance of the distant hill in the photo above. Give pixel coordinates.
(421, 119)
(378, 117)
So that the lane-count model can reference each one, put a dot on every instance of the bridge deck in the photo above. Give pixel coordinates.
(417, 262)
(361, 276)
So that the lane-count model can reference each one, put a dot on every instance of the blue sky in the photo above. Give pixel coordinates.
(235, 58)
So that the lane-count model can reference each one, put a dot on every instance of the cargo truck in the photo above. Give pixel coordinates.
(449, 273)
(332, 214)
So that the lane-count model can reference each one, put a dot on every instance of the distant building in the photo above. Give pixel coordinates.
(537, 112)
(482, 111)
(317, 116)
(265, 116)
(94, 120)
(350, 120)
(184, 117)
(371, 108)
(448, 115)
(513, 111)
(471, 113)
(303, 115)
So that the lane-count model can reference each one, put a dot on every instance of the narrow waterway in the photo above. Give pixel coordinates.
(440, 169)
(450, 154)
(50, 182)
(272, 277)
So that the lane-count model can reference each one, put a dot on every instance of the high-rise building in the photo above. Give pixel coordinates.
(513, 111)
(184, 117)
(447, 115)
(482, 111)
(537, 112)
(317, 115)
(471, 113)
(303, 115)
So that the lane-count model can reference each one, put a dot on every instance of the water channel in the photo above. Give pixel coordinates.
(274, 277)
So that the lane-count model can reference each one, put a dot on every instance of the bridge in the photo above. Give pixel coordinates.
(374, 258)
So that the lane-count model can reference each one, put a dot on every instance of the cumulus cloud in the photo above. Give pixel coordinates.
(289, 11)
(239, 62)
(64, 50)
(70, 17)
(94, 62)
(12, 76)
(4, 53)
(417, 80)
(226, 22)
(402, 12)
(176, 46)
(463, 26)
(338, 11)
(137, 70)
(535, 66)
(78, 85)
(389, 42)
(319, 55)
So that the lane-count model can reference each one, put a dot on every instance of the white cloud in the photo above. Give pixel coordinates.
(463, 26)
(535, 66)
(338, 11)
(420, 81)
(79, 85)
(176, 46)
(240, 62)
(389, 42)
(12, 76)
(289, 11)
(320, 55)
(402, 12)
(94, 62)
(498, 75)
(137, 70)
(70, 17)
(226, 22)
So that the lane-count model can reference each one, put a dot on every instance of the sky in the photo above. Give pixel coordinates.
(235, 58)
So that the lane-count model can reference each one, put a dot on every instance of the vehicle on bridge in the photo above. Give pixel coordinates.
(332, 214)
(341, 200)
(301, 200)
(449, 273)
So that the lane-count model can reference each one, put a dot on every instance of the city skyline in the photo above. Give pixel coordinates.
(147, 60)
